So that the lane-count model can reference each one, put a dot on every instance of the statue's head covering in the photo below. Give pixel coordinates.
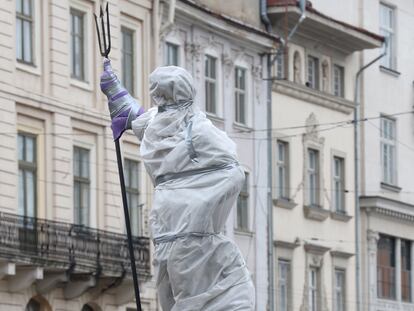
(171, 87)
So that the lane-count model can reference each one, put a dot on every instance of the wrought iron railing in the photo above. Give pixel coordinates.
(61, 245)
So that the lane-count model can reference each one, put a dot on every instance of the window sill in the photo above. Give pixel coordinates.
(340, 216)
(390, 187)
(315, 212)
(390, 71)
(284, 203)
(244, 232)
(29, 68)
(217, 121)
(243, 128)
(81, 84)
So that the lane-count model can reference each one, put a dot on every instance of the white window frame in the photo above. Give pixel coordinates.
(313, 288)
(284, 281)
(339, 290)
(315, 76)
(211, 80)
(338, 180)
(136, 26)
(215, 52)
(82, 181)
(388, 158)
(388, 31)
(244, 227)
(136, 230)
(340, 92)
(313, 195)
(240, 91)
(82, 75)
(131, 32)
(168, 46)
(89, 39)
(282, 164)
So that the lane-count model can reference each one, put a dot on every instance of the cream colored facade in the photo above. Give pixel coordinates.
(59, 265)
(312, 106)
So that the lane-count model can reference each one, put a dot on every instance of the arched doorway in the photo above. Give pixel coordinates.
(38, 303)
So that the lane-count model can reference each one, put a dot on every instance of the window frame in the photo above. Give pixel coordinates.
(175, 46)
(76, 12)
(341, 92)
(406, 288)
(287, 282)
(392, 269)
(28, 166)
(388, 31)
(133, 191)
(242, 219)
(316, 171)
(28, 19)
(128, 31)
(238, 92)
(82, 181)
(211, 81)
(313, 289)
(284, 164)
(391, 142)
(341, 179)
(339, 289)
(316, 75)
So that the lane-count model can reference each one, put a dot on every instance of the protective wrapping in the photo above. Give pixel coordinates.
(197, 179)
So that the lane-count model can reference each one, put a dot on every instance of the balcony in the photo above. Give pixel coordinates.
(49, 254)
(318, 26)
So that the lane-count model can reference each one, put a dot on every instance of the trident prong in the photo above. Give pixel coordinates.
(106, 47)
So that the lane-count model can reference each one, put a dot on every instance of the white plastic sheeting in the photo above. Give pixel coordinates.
(197, 180)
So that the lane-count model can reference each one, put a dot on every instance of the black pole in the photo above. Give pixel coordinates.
(128, 225)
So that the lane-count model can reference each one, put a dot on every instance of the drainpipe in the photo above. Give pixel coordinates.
(264, 16)
(356, 176)
(170, 21)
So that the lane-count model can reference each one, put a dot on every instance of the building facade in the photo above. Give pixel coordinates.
(225, 54)
(387, 214)
(63, 244)
(313, 154)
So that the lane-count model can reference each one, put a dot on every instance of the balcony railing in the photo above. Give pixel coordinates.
(58, 245)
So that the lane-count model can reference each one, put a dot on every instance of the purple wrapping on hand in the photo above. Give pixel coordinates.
(122, 106)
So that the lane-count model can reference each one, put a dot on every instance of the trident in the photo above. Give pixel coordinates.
(105, 48)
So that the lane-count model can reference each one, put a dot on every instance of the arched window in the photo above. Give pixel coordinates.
(87, 308)
(33, 305)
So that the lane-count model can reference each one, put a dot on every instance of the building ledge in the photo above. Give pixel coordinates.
(315, 213)
(390, 187)
(315, 248)
(341, 254)
(286, 244)
(317, 26)
(310, 95)
(341, 216)
(390, 208)
(284, 203)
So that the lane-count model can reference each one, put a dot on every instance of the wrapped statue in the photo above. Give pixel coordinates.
(197, 179)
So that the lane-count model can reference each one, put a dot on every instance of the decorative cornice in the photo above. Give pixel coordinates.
(315, 213)
(313, 96)
(287, 245)
(391, 213)
(388, 207)
(315, 249)
(341, 254)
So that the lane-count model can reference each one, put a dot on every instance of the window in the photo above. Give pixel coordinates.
(210, 76)
(387, 24)
(386, 267)
(132, 189)
(24, 31)
(282, 174)
(388, 154)
(81, 183)
(313, 72)
(339, 290)
(128, 66)
(313, 177)
(172, 54)
(27, 175)
(313, 289)
(339, 184)
(240, 94)
(283, 285)
(338, 80)
(406, 270)
(280, 65)
(242, 205)
(77, 45)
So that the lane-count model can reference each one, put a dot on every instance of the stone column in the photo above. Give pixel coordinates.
(372, 237)
(398, 269)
